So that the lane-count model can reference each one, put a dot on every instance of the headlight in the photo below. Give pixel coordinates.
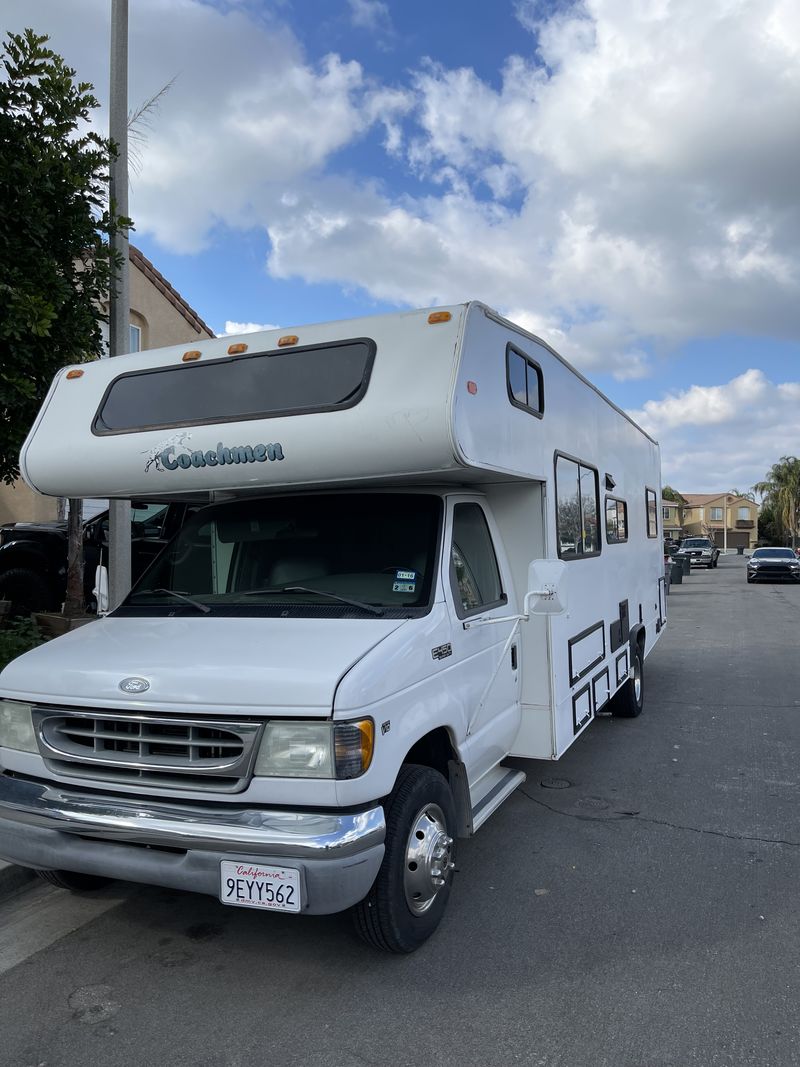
(315, 749)
(16, 727)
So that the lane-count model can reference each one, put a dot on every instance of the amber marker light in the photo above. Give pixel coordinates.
(190, 357)
(74, 374)
(289, 339)
(439, 316)
(236, 350)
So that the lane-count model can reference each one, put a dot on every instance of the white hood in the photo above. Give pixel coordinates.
(221, 665)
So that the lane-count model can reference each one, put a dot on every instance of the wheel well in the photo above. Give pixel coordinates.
(433, 750)
(637, 638)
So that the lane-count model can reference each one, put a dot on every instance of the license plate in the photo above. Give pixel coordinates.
(249, 885)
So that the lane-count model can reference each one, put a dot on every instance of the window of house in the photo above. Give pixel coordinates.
(524, 381)
(135, 338)
(665, 514)
(744, 513)
(716, 514)
(577, 509)
(616, 521)
(261, 385)
(474, 573)
(652, 513)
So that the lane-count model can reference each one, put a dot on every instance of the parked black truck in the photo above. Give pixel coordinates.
(33, 555)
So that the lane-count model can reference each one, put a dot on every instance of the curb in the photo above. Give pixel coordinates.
(13, 878)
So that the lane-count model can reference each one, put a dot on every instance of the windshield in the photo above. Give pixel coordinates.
(696, 542)
(773, 553)
(354, 555)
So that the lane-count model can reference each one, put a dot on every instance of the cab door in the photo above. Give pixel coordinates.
(486, 673)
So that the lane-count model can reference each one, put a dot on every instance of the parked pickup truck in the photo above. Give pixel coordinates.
(702, 552)
(33, 555)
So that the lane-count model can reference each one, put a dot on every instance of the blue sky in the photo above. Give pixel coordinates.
(618, 177)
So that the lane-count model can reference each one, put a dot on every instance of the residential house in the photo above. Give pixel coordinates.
(159, 316)
(672, 520)
(731, 521)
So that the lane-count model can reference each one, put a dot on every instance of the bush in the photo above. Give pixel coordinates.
(16, 637)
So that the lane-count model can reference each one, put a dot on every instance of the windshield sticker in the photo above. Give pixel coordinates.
(406, 576)
(166, 457)
(404, 587)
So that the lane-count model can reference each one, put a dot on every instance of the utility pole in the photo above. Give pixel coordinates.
(119, 517)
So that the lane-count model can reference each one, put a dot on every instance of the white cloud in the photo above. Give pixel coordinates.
(370, 15)
(630, 182)
(717, 437)
(247, 327)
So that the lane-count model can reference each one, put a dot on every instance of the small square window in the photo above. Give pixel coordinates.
(524, 381)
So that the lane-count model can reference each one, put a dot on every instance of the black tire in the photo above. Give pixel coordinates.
(710, 565)
(384, 918)
(73, 881)
(626, 703)
(27, 590)
(716, 561)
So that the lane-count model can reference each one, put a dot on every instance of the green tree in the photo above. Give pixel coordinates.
(781, 491)
(56, 264)
(668, 493)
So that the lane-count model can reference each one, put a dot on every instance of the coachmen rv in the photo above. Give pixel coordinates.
(429, 545)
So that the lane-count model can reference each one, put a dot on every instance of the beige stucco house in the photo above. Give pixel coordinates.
(672, 519)
(729, 520)
(159, 316)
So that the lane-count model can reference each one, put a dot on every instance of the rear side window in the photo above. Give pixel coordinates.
(616, 521)
(577, 509)
(474, 574)
(525, 382)
(652, 513)
(236, 388)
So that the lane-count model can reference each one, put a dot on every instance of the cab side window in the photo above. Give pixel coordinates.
(474, 573)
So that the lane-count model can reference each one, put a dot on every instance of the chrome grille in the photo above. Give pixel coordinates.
(165, 751)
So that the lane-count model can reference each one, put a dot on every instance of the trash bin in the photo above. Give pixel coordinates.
(740, 550)
(686, 563)
(676, 577)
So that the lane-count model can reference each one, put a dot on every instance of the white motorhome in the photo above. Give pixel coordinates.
(431, 545)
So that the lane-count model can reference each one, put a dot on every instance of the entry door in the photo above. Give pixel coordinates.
(489, 687)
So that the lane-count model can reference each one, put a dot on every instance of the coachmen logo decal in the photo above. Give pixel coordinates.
(134, 685)
(167, 457)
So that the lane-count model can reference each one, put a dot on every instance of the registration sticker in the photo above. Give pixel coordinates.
(250, 885)
(405, 576)
(404, 587)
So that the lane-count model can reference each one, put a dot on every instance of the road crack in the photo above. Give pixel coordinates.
(618, 816)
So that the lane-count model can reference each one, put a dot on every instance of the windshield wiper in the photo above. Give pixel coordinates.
(180, 596)
(319, 592)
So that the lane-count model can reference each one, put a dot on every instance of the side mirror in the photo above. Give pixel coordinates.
(547, 587)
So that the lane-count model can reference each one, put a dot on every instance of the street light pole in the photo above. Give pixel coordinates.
(119, 517)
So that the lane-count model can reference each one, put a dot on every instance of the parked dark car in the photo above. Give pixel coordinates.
(775, 564)
(702, 552)
(33, 555)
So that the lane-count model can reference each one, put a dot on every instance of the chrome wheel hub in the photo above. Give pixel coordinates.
(637, 681)
(428, 859)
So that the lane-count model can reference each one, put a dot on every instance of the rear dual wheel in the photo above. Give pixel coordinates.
(410, 893)
(628, 702)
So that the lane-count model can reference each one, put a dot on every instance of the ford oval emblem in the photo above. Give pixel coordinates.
(134, 685)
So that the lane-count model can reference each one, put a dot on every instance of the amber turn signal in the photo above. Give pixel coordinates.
(236, 350)
(190, 357)
(289, 339)
(74, 374)
(439, 316)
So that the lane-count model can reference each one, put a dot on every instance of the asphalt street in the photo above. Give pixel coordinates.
(634, 905)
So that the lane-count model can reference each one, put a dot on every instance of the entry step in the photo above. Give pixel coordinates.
(489, 793)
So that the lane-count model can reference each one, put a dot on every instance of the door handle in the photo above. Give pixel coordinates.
(513, 657)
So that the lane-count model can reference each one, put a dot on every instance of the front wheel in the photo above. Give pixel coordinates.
(73, 880)
(629, 701)
(410, 893)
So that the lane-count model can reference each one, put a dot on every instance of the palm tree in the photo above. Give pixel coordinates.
(781, 489)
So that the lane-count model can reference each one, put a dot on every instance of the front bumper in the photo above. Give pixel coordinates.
(48, 826)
